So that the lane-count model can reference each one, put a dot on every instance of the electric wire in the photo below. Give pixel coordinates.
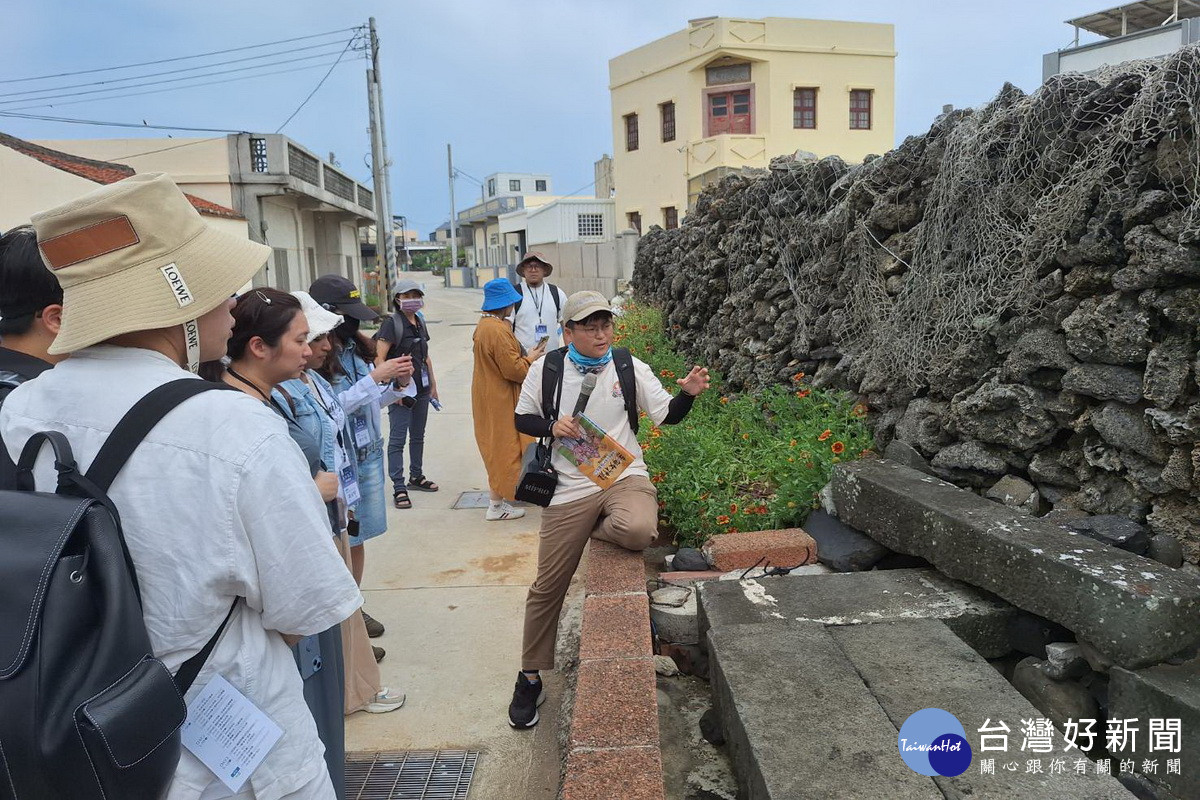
(168, 89)
(320, 83)
(168, 80)
(102, 123)
(357, 29)
(332, 44)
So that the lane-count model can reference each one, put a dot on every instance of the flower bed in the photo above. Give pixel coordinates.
(740, 462)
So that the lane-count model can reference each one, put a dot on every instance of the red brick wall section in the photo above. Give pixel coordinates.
(614, 746)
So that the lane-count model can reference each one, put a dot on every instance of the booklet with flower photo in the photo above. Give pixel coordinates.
(597, 455)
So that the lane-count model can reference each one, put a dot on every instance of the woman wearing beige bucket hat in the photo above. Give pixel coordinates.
(215, 503)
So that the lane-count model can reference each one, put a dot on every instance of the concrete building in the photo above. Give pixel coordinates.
(34, 178)
(726, 93)
(303, 207)
(1146, 29)
(491, 244)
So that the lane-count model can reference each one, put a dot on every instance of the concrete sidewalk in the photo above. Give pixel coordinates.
(450, 589)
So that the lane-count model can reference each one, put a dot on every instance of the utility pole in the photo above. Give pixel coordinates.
(385, 236)
(453, 216)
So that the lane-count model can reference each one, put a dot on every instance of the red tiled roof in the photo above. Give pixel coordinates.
(101, 172)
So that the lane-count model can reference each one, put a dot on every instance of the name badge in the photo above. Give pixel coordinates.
(362, 434)
(350, 491)
(540, 331)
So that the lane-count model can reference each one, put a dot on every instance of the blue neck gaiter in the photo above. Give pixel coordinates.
(585, 364)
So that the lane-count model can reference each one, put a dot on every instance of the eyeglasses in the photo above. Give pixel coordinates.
(595, 330)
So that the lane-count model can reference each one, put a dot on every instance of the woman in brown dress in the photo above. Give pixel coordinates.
(500, 368)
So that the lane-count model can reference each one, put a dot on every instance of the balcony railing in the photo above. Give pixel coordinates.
(492, 208)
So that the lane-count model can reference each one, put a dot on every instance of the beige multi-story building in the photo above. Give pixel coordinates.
(726, 93)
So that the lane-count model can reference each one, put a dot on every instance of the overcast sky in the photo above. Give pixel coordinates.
(514, 86)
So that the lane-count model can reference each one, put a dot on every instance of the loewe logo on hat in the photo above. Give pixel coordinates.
(177, 284)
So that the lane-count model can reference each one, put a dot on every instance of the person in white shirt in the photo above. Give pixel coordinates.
(216, 503)
(625, 513)
(539, 313)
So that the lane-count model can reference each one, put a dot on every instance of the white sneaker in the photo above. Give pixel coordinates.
(499, 511)
(385, 701)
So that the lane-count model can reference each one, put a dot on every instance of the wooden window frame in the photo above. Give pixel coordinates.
(730, 88)
(870, 110)
(670, 217)
(798, 110)
(634, 218)
(667, 129)
(631, 132)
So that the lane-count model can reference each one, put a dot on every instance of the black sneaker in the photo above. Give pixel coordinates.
(523, 710)
(374, 626)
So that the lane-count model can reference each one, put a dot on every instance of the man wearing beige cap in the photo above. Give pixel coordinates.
(538, 316)
(216, 502)
(626, 512)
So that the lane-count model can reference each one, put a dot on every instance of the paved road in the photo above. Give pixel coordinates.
(450, 588)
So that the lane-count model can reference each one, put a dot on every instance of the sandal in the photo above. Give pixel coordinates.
(400, 499)
(422, 484)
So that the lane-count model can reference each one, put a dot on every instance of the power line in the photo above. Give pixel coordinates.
(168, 80)
(163, 149)
(180, 58)
(169, 88)
(320, 83)
(173, 71)
(142, 124)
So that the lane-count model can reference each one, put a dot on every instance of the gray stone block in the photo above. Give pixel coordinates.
(855, 598)
(919, 664)
(1114, 530)
(1165, 549)
(1058, 700)
(1105, 382)
(1163, 692)
(1016, 493)
(1136, 611)
(841, 547)
(906, 454)
(1064, 661)
(798, 720)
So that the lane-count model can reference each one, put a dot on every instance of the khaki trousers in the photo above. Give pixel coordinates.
(625, 514)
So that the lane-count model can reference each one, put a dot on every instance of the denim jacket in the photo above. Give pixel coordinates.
(317, 417)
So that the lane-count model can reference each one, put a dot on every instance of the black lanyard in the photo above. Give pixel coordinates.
(537, 302)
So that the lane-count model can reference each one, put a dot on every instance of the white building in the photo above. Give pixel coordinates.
(1146, 29)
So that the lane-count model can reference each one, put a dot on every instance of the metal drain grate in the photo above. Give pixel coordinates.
(411, 775)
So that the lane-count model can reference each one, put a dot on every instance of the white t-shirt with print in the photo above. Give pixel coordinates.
(606, 408)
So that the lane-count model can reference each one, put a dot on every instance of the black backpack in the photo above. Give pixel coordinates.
(552, 380)
(86, 710)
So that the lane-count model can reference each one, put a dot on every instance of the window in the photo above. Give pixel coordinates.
(670, 217)
(729, 112)
(667, 111)
(635, 221)
(514, 185)
(258, 154)
(350, 267)
(804, 108)
(539, 186)
(860, 110)
(727, 73)
(631, 132)
(591, 225)
(279, 259)
(491, 187)
(494, 239)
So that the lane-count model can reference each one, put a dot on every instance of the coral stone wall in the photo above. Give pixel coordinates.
(1016, 292)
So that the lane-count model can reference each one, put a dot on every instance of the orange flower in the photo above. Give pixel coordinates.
(792, 443)
(825, 435)
(722, 520)
(762, 509)
(724, 400)
(733, 508)
(859, 410)
(799, 376)
(657, 477)
(803, 394)
(655, 432)
(662, 503)
(731, 530)
(838, 448)
(745, 436)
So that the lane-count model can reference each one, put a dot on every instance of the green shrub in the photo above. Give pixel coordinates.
(739, 462)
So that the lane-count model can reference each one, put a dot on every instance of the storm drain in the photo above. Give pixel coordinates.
(410, 775)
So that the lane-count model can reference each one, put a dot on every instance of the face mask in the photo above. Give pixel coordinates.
(412, 305)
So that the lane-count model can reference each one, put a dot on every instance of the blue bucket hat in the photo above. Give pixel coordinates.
(499, 293)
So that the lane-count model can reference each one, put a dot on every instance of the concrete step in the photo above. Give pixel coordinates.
(799, 721)
(814, 711)
(921, 664)
(855, 598)
(1166, 692)
(1134, 610)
